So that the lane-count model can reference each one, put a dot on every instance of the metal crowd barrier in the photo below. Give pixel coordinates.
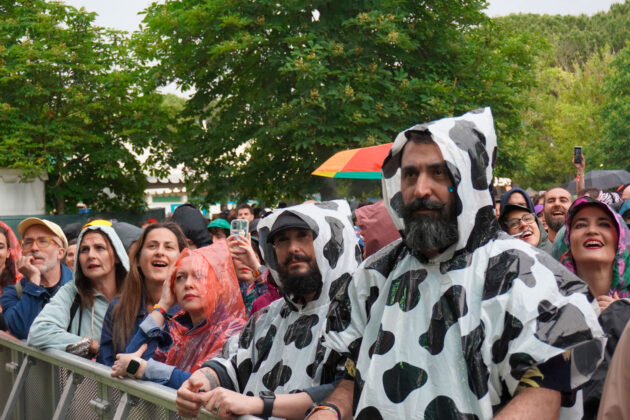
(56, 385)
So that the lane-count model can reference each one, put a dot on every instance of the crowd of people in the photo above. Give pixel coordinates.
(439, 301)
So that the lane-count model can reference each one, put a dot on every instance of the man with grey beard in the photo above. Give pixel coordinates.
(43, 248)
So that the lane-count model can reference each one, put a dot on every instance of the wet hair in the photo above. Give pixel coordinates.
(134, 288)
(7, 277)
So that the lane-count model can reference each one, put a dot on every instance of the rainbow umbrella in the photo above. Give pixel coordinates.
(362, 163)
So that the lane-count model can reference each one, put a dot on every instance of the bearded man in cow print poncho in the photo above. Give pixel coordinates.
(311, 250)
(457, 320)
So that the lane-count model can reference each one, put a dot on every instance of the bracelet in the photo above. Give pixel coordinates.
(161, 310)
(323, 407)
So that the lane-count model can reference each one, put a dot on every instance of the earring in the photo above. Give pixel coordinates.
(450, 189)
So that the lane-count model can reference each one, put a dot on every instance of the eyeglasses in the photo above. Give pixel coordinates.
(42, 242)
(528, 219)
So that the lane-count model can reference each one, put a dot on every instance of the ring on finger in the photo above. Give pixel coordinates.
(215, 409)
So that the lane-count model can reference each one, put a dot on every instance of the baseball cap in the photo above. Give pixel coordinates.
(54, 227)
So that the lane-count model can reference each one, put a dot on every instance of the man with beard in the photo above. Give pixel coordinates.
(43, 248)
(456, 319)
(557, 203)
(278, 365)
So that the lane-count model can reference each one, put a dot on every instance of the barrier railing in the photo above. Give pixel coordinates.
(55, 385)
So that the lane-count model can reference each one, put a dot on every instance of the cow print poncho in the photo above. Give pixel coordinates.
(451, 337)
(281, 347)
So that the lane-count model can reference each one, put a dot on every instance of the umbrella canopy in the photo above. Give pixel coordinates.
(603, 179)
(362, 163)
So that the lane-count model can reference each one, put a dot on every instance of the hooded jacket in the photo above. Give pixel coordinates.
(189, 218)
(52, 327)
(451, 337)
(505, 197)
(280, 349)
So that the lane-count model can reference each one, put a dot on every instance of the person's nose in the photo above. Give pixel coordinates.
(294, 245)
(423, 186)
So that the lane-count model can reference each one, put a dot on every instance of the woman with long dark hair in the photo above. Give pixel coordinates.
(151, 259)
(73, 319)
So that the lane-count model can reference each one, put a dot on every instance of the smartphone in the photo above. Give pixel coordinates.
(239, 227)
(577, 154)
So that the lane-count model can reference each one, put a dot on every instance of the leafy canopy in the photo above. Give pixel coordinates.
(281, 86)
(72, 104)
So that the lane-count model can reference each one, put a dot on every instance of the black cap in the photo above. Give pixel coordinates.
(508, 208)
(288, 220)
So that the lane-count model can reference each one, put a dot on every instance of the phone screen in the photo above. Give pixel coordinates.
(577, 154)
(239, 227)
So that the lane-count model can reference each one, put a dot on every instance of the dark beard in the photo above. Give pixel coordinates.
(554, 225)
(296, 286)
(424, 232)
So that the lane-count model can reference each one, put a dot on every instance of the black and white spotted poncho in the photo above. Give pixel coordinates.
(280, 349)
(451, 337)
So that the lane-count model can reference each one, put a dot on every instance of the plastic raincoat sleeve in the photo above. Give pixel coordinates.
(49, 330)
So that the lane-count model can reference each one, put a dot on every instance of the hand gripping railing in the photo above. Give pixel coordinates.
(53, 384)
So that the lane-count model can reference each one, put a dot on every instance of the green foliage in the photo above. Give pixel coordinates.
(615, 113)
(281, 86)
(569, 106)
(563, 114)
(576, 38)
(71, 103)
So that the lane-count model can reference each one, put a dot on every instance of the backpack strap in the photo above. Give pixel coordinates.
(76, 304)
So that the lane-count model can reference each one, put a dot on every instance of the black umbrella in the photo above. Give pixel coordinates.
(603, 179)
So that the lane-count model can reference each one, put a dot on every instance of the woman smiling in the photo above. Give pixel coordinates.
(596, 238)
(151, 259)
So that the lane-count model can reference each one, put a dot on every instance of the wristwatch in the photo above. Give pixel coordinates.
(132, 367)
(268, 398)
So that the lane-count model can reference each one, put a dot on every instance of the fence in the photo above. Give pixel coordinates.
(55, 385)
(66, 219)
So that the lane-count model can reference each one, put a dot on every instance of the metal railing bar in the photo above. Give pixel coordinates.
(122, 410)
(66, 396)
(17, 388)
(157, 394)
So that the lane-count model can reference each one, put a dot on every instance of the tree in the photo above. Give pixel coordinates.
(563, 114)
(72, 104)
(281, 86)
(615, 113)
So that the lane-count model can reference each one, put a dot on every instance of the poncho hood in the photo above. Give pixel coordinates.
(224, 305)
(336, 246)
(505, 197)
(468, 145)
(281, 347)
(621, 274)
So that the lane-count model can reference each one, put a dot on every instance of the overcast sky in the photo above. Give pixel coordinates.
(123, 14)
